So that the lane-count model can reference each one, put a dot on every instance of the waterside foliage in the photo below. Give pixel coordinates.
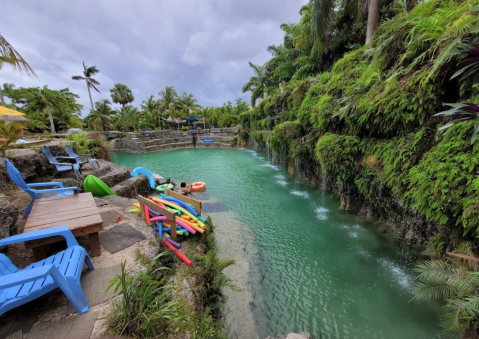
(368, 122)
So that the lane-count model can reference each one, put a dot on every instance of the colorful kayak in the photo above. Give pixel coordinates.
(97, 187)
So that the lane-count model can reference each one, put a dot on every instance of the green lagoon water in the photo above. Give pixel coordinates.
(321, 270)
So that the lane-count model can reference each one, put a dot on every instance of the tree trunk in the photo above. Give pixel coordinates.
(159, 122)
(89, 93)
(52, 126)
(2, 100)
(373, 20)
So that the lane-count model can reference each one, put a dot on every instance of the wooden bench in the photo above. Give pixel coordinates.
(79, 212)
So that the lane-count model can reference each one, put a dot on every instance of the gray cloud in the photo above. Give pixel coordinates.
(201, 47)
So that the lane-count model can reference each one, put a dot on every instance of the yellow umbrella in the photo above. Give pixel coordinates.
(8, 114)
(8, 111)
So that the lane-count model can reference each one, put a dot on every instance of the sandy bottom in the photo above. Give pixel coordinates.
(236, 241)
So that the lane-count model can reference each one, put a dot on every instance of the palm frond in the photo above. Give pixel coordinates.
(10, 55)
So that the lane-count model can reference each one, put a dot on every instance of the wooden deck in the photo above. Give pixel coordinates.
(78, 212)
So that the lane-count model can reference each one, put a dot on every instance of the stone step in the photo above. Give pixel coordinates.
(167, 146)
(151, 142)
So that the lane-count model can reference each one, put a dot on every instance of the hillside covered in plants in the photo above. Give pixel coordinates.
(364, 117)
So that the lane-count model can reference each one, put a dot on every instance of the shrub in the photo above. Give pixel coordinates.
(444, 183)
(143, 309)
(337, 156)
(285, 138)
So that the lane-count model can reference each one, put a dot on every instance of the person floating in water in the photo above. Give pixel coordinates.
(185, 188)
(168, 181)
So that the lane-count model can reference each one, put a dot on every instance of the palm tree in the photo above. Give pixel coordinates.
(50, 99)
(151, 108)
(127, 118)
(228, 120)
(457, 283)
(101, 117)
(257, 83)
(323, 12)
(88, 72)
(16, 94)
(373, 20)
(121, 94)
(8, 55)
(168, 100)
(187, 103)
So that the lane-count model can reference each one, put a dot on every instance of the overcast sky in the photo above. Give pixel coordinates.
(201, 47)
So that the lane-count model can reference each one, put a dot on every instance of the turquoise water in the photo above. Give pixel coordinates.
(322, 271)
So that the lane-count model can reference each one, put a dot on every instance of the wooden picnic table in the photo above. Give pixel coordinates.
(79, 212)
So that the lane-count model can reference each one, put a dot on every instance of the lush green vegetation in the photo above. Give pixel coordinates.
(368, 120)
(370, 117)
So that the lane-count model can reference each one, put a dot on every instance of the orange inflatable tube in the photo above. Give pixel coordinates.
(198, 186)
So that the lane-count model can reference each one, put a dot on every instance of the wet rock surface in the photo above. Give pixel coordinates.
(8, 218)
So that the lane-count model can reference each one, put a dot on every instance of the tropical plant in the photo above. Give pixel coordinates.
(470, 65)
(11, 131)
(65, 118)
(227, 120)
(463, 112)
(122, 95)
(151, 109)
(15, 95)
(257, 83)
(88, 73)
(8, 55)
(50, 99)
(36, 121)
(454, 281)
(126, 119)
(101, 118)
(143, 309)
(187, 103)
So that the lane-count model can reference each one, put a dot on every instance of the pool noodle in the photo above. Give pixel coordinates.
(147, 215)
(192, 225)
(169, 203)
(186, 226)
(185, 205)
(181, 203)
(172, 242)
(178, 253)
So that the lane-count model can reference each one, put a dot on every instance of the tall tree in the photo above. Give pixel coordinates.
(322, 12)
(152, 108)
(373, 20)
(88, 73)
(50, 99)
(168, 97)
(8, 55)
(187, 103)
(256, 83)
(101, 117)
(15, 95)
(122, 95)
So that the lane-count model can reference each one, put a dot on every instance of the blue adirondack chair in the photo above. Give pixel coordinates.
(17, 178)
(90, 158)
(62, 270)
(61, 167)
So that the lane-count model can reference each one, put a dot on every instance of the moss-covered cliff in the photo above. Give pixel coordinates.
(368, 125)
